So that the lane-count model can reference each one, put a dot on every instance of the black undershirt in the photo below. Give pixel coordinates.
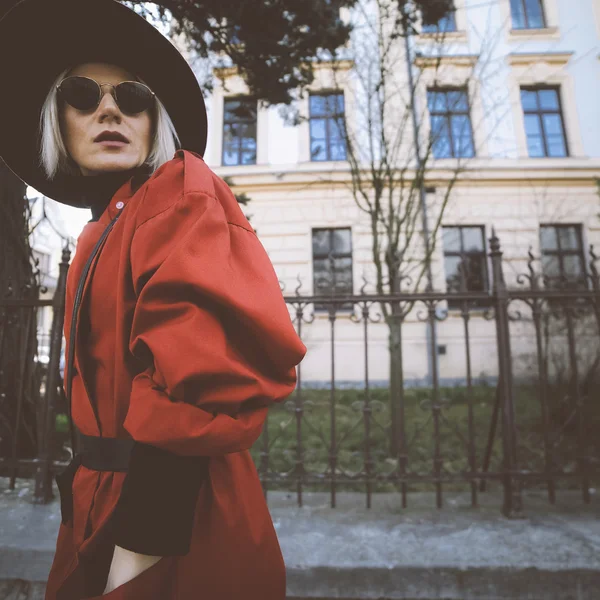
(96, 191)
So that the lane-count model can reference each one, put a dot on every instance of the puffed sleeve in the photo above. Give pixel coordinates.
(213, 330)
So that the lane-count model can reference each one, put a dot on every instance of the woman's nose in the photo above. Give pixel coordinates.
(108, 106)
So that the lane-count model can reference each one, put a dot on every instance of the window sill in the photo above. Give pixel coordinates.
(546, 33)
(447, 37)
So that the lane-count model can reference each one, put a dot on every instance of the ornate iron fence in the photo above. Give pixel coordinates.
(531, 420)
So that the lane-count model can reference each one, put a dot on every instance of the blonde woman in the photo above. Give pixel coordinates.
(178, 338)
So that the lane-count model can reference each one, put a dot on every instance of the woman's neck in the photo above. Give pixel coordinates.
(97, 190)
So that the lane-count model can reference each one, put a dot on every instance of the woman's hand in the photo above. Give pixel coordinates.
(125, 566)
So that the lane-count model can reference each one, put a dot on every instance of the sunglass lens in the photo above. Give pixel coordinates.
(81, 93)
(133, 97)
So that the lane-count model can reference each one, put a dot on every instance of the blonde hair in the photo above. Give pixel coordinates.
(54, 157)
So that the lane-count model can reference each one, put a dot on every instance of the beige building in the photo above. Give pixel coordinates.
(506, 103)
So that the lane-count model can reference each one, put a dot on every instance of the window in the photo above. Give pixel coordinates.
(332, 262)
(544, 125)
(563, 261)
(451, 132)
(239, 132)
(465, 260)
(444, 25)
(527, 14)
(327, 126)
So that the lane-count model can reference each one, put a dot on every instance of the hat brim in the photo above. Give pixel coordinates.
(41, 38)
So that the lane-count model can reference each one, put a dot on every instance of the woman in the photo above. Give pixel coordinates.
(178, 338)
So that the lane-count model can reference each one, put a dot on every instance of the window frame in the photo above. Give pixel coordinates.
(327, 119)
(539, 113)
(523, 4)
(239, 149)
(321, 291)
(565, 282)
(454, 304)
(447, 115)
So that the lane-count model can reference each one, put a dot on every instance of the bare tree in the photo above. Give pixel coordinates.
(393, 138)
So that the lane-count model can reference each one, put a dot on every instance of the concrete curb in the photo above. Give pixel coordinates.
(412, 583)
(384, 553)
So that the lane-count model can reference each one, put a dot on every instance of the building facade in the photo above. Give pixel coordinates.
(506, 91)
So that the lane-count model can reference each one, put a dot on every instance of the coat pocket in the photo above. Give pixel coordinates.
(64, 480)
(155, 583)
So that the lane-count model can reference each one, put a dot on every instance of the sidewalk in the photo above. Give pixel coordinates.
(384, 553)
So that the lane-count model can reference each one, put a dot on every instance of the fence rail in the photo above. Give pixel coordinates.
(531, 419)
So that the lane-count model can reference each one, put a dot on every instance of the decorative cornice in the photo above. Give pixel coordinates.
(529, 58)
(456, 60)
(340, 65)
(479, 172)
(226, 72)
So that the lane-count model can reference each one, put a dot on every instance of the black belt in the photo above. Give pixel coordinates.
(98, 454)
(105, 454)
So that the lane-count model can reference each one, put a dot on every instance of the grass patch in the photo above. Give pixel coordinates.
(341, 429)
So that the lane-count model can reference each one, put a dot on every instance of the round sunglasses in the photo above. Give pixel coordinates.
(83, 93)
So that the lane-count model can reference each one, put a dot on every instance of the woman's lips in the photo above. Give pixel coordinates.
(112, 143)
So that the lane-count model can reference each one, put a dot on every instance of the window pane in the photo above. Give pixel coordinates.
(535, 146)
(451, 239)
(474, 266)
(472, 239)
(231, 107)
(535, 14)
(231, 133)
(447, 22)
(532, 125)
(441, 137)
(338, 151)
(248, 143)
(343, 275)
(335, 104)
(569, 238)
(317, 129)
(548, 99)
(230, 155)
(573, 266)
(342, 241)
(552, 125)
(322, 274)
(453, 273)
(317, 150)
(556, 146)
(248, 158)
(457, 101)
(320, 240)
(550, 266)
(436, 101)
(318, 105)
(529, 99)
(240, 110)
(518, 14)
(248, 130)
(548, 238)
(461, 135)
(336, 129)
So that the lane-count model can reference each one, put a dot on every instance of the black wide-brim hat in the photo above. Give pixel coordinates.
(41, 38)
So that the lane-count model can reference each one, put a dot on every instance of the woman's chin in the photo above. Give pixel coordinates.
(109, 166)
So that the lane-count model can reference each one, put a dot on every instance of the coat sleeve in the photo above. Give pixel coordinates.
(215, 336)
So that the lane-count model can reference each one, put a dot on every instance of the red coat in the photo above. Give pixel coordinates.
(184, 340)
